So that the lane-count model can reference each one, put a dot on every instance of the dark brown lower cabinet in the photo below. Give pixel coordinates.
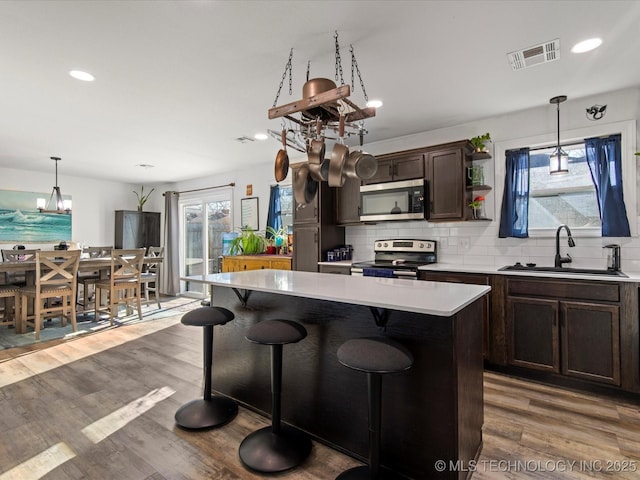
(470, 279)
(534, 333)
(574, 338)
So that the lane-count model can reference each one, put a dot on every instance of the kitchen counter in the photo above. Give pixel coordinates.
(431, 412)
(633, 277)
(432, 298)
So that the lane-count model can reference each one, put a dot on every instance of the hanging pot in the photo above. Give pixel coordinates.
(320, 172)
(317, 148)
(312, 88)
(304, 187)
(282, 160)
(339, 155)
(360, 165)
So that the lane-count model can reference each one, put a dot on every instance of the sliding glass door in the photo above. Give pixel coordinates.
(203, 221)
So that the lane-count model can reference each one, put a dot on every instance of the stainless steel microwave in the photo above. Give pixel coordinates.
(405, 200)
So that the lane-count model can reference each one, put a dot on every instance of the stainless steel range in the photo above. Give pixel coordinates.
(397, 258)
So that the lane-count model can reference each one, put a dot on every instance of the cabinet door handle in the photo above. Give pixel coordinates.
(390, 170)
(315, 237)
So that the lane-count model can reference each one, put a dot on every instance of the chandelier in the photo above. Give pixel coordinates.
(325, 113)
(61, 206)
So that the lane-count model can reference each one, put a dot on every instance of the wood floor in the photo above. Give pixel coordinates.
(101, 407)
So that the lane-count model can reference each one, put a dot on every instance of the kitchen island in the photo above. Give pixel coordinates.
(432, 412)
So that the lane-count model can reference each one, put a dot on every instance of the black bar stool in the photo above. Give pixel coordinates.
(216, 410)
(279, 447)
(374, 356)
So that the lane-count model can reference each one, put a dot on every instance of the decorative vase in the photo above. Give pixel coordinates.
(139, 208)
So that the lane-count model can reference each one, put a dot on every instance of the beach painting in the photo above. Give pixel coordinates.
(21, 221)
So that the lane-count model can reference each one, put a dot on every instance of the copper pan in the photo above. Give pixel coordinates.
(360, 165)
(312, 88)
(339, 155)
(282, 160)
(316, 156)
(304, 187)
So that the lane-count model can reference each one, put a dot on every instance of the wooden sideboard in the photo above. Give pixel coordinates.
(238, 263)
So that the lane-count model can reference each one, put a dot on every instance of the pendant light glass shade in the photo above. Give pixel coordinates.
(61, 205)
(558, 160)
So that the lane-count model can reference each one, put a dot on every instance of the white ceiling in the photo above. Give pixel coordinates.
(178, 81)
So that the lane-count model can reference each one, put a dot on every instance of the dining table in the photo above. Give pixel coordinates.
(101, 265)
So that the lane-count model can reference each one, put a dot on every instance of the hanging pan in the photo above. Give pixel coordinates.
(304, 187)
(339, 155)
(282, 160)
(318, 166)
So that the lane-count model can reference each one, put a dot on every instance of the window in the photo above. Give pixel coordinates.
(541, 192)
(286, 205)
(562, 199)
(203, 221)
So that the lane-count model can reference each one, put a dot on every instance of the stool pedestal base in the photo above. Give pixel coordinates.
(267, 452)
(206, 413)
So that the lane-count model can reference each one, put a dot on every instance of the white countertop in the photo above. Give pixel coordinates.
(491, 269)
(432, 298)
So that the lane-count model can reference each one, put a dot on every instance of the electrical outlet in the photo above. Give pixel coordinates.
(464, 242)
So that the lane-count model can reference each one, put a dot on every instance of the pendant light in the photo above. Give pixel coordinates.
(558, 160)
(61, 206)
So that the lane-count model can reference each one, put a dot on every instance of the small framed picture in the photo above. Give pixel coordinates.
(249, 213)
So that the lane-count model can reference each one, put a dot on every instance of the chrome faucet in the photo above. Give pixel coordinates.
(560, 260)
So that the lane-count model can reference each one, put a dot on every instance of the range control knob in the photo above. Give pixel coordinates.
(386, 244)
(421, 246)
(378, 244)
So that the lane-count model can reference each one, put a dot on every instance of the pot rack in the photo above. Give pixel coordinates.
(304, 113)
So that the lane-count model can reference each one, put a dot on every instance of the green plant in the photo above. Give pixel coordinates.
(276, 237)
(249, 242)
(142, 198)
(480, 141)
(477, 202)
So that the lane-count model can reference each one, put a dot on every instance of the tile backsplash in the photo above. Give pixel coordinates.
(477, 243)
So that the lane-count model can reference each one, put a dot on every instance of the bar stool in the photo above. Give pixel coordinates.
(374, 356)
(279, 447)
(216, 410)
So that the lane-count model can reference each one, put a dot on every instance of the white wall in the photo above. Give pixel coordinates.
(94, 201)
(478, 242)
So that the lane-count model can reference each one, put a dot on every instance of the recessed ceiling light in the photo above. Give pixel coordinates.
(374, 103)
(80, 75)
(586, 45)
(261, 136)
(145, 165)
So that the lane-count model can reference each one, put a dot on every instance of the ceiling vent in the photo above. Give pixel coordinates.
(536, 55)
(244, 139)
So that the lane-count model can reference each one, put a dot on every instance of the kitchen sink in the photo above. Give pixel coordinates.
(518, 267)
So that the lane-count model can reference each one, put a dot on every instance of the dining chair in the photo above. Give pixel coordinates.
(123, 284)
(18, 278)
(55, 278)
(10, 295)
(151, 275)
(87, 279)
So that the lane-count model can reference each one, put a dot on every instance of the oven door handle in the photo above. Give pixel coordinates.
(405, 273)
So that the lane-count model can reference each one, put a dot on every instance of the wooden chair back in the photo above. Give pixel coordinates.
(153, 252)
(126, 265)
(97, 252)
(19, 255)
(57, 268)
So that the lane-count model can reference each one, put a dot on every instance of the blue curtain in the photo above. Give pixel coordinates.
(274, 216)
(515, 201)
(604, 157)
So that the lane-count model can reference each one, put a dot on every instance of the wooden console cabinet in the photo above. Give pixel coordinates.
(239, 263)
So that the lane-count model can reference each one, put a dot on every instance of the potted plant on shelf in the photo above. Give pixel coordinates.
(477, 207)
(480, 142)
(142, 198)
(276, 239)
(249, 242)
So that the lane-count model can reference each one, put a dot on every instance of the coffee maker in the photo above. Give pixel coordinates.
(613, 257)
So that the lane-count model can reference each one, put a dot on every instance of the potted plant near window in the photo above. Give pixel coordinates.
(480, 142)
(249, 242)
(276, 239)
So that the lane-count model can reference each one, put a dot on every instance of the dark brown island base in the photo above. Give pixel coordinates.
(430, 413)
